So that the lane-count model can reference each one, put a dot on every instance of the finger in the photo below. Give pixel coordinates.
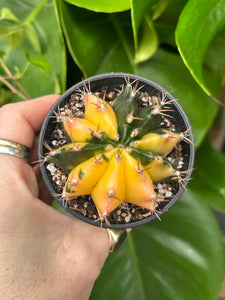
(21, 121)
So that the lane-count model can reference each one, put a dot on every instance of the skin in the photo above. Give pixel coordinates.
(44, 254)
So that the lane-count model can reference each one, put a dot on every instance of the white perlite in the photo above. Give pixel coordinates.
(51, 168)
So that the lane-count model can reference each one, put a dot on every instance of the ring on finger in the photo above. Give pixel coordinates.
(14, 149)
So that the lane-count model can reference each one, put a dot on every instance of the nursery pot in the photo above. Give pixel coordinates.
(113, 82)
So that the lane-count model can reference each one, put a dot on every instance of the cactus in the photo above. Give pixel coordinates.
(117, 151)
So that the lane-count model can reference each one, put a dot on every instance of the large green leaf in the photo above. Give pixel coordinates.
(179, 258)
(102, 5)
(87, 35)
(89, 41)
(138, 11)
(165, 26)
(215, 56)
(117, 60)
(208, 182)
(198, 24)
(43, 40)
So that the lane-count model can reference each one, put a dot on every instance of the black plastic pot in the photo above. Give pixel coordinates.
(115, 81)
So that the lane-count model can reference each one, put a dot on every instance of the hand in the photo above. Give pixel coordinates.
(44, 254)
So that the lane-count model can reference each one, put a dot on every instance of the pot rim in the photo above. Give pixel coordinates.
(122, 77)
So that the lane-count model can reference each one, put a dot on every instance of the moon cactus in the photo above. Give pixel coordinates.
(116, 151)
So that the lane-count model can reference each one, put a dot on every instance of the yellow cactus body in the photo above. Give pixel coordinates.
(158, 169)
(139, 186)
(161, 144)
(84, 177)
(109, 193)
(101, 114)
(79, 130)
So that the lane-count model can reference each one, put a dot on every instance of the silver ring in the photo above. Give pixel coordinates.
(116, 238)
(14, 149)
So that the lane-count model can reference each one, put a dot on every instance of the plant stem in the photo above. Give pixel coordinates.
(11, 87)
(35, 11)
(11, 76)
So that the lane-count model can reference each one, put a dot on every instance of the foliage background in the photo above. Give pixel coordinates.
(46, 46)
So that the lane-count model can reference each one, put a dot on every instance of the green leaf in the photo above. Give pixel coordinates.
(88, 38)
(13, 36)
(165, 34)
(215, 56)
(86, 34)
(116, 60)
(181, 257)
(138, 11)
(165, 26)
(198, 24)
(159, 8)
(208, 182)
(39, 62)
(6, 14)
(148, 42)
(102, 5)
(33, 37)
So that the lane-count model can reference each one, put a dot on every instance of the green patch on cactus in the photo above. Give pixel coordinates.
(142, 156)
(104, 157)
(125, 107)
(81, 174)
(147, 120)
(70, 155)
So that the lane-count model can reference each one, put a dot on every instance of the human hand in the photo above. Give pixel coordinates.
(44, 254)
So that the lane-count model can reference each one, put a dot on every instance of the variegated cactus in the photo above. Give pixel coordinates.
(117, 151)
